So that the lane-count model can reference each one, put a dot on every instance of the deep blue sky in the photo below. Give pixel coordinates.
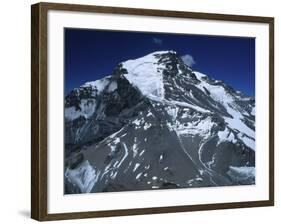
(93, 54)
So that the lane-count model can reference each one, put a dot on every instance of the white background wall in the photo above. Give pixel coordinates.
(15, 111)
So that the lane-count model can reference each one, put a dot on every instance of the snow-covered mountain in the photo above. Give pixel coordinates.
(153, 124)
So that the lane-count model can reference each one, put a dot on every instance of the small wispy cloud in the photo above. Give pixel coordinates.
(188, 60)
(157, 41)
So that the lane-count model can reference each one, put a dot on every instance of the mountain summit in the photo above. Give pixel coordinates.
(155, 123)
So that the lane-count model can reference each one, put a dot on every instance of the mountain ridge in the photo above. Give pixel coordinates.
(109, 125)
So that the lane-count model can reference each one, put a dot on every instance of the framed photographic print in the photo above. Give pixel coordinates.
(138, 111)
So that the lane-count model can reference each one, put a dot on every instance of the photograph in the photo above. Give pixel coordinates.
(153, 111)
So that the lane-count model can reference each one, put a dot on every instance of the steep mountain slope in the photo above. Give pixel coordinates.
(154, 123)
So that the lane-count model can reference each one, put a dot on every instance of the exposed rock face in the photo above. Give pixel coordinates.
(156, 124)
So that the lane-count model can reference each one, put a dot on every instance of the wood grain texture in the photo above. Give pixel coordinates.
(38, 112)
(39, 204)
(271, 111)
(34, 113)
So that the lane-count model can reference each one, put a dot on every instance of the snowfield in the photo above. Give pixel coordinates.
(146, 75)
(99, 85)
(242, 174)
(84, 176)
(235, 122)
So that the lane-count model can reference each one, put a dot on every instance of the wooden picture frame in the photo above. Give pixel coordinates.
(39, 109)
